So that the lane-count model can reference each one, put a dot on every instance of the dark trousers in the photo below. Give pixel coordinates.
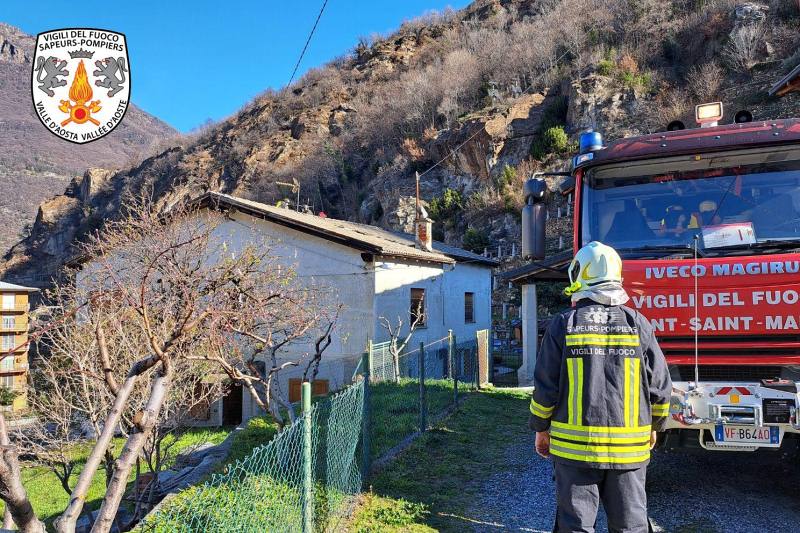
(579, 492)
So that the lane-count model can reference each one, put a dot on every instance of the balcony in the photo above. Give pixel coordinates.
(16, 308)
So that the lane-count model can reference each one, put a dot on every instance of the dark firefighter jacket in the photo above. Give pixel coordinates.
(601, 384)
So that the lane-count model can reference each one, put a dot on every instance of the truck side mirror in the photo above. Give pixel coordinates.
(533, 218)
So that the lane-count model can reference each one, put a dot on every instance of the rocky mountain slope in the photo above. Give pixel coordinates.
(474, 100)
(34, 164)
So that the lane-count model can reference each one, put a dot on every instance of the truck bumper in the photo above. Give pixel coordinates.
(708, 408)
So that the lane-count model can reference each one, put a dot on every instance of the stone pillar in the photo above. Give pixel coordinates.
(530, 334)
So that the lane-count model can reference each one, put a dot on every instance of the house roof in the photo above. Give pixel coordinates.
(787, 84)
(17, 288)
(369, 239)
(554, 268)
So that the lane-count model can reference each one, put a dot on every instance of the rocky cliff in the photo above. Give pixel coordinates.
(473, 100)
(34, 164)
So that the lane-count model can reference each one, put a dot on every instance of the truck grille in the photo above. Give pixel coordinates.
(728, 372)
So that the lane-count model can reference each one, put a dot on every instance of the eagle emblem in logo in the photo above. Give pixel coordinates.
(80, 82)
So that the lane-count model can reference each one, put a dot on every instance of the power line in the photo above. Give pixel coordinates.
(310, 35)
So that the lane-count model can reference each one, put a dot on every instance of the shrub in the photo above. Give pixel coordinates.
(704, 81)
(506, 178)
(475, 241)
(606, 67)
(7, 396)
(556, 139)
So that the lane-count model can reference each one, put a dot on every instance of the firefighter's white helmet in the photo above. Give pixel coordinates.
(593, 265)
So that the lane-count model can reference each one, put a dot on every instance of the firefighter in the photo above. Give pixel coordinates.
(602, 391)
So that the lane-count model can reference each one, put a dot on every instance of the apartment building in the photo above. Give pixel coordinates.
(14, 309)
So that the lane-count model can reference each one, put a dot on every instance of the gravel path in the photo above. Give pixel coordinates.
(689, 492)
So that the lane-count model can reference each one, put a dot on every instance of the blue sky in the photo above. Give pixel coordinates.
(193, 61)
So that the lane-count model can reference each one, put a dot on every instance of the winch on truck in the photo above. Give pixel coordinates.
(707, 221)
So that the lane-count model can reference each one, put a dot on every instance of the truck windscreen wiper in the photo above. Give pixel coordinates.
(660, 250)
(778, 244)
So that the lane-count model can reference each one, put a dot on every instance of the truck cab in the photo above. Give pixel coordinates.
(707, 221)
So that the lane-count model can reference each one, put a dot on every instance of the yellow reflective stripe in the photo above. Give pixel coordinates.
(589, 459)
(604, 335)
(626, 404)
(631, 392)
(636, 390)
(579, 402)
(602, 429)
(600, 338)
(660, 409)
(575, 395)
(540, 407)
(603, 448)
(601, 439)
(604, 342)
(540, 410)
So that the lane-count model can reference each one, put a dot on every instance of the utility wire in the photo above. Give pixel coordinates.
(308, 41)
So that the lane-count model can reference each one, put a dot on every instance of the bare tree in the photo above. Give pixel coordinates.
(157, 293)
(398, 343)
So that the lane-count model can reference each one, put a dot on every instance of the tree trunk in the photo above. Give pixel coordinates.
(396, 365)
(13, 493)
(66, 522)
(144, 423)
(8, 521)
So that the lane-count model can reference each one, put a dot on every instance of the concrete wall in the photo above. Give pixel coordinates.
(530, 334)
(444, 286)
(340, 275)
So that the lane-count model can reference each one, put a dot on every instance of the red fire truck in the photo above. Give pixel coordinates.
(707, 221)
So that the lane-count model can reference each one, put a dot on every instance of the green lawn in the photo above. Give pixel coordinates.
(48, 497)
(430, 485)
(395, 409)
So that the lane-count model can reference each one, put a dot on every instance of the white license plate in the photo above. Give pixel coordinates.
(747, 434)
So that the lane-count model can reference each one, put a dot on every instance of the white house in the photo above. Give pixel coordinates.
(373, 272)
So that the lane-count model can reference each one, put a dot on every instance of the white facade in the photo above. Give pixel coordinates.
(368, 291)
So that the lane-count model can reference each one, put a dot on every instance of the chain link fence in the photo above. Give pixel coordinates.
(307, 477)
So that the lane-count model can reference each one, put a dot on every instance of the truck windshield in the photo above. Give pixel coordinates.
(727, 206)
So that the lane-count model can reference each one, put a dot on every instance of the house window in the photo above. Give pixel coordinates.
(418, 307)
(7, 382)
(7, 364)
(8, 301)
(8, 322)
(469, 307)
(8, 342)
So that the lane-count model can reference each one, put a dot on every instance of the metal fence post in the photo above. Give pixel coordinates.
(366, 423)
(456, 367)
(308, 502)
(449, 354)
(423, 403)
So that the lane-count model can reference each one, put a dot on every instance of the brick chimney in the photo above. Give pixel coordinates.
(424, 237)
